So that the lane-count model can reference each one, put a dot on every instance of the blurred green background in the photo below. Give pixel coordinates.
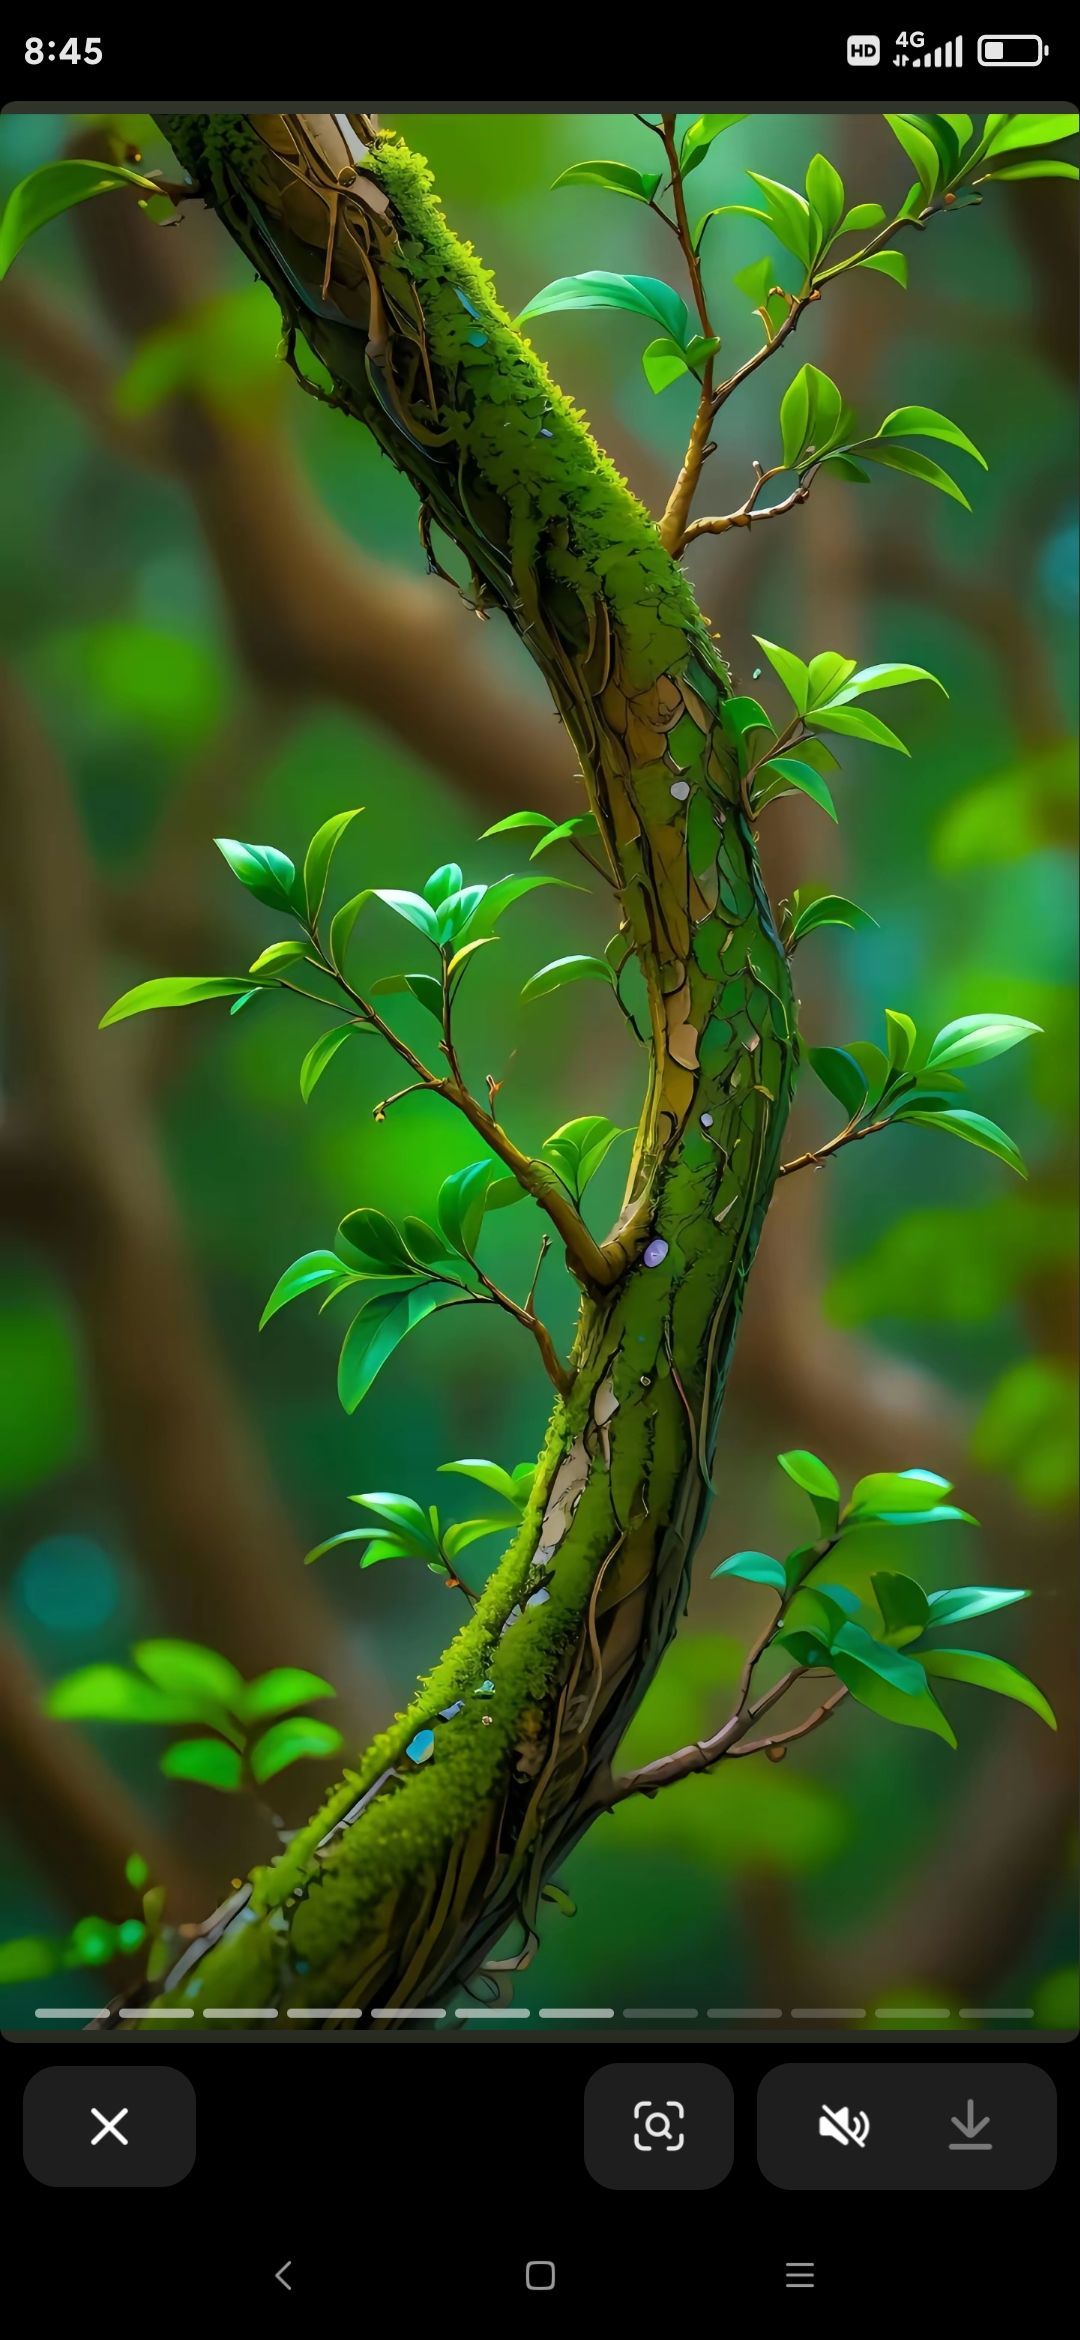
(216, 619)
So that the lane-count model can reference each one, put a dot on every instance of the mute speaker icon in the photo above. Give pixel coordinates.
(844, 2127)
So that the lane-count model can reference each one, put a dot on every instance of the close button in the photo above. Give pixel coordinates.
(109, 2125)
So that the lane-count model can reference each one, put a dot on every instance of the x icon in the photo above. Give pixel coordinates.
(109, 2128)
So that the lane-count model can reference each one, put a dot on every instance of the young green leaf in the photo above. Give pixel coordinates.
(375, 1333)
(460, 1205)
(318, 858)
(518, 820)
(514, 1487)
(103, 1693)
(892, 264)
(837, 1070)
(619, 179)
(169, 991)
(286, 1742)
(895, 1491)
(266, 873)
(913, 465)
(322, 1053)
(791, 670)
(341, 926)
(972, 1600)
(1034, 170)
(974, 1039)
(882, 678)
(559, 972)
(861, 217)
(754, 1568)
(283, 1687)
(305, 1274)
(185, 1669)
(411, 907)
(1019, 130)
(827, 674)
(923, 422)
(370, 1244)
(975, 1129)
(917, 1710)
(276, 956)
(599, 288)
(855, 723)
(788, 216)
(46, 193)
(920, 150)
(208, 1761)
(825, 194)
(783, 774)
(578, 1149)
(697, 140)
(816, 1480)
(902, 1035)
(903, 1604)
(989, 1673)
(662, 362)
(504, 893)
(827, 910)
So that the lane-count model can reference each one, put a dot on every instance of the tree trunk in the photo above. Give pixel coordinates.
(395, 1893)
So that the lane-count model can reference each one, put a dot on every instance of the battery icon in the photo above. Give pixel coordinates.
(1012, 49)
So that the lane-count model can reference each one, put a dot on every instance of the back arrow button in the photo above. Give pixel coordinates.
(281, 2274)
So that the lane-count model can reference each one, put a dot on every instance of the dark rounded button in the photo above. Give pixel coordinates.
(109, 2125)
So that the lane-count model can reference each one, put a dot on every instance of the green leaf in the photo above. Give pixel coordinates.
(169, 991)
(460, 1205)
(279, 954)
(466, 952)
(920, 150)
(577, 1150)
(1035, 170)
(901, 1035)
(913, 466)
(789, 216)
(369, 1242)
(791, 773)
(391, 1551)
(305, 1274)
(411, 907)
(266, 873)
(518, 820)
(826, 674)
(209, 1761)
(895, 1491)
(975, 1129)
(754, 1568)
(794, 424)
(505, 892)
(322, 1052)
(559, 972)
(923, 422)
(972, 1600)
(988, 1673)
(662, 362)
(342, 923)
(455, 911)
(113, 1694)
(375, 1333)
(974, 1039)
(917, 1710)
(825, 194)
(828, 910)
(185, 1669)
(598, 288)
(619, 179)
(579, 825)
(319, 856)
(816, 1480)
(892, 264)
(458, 1538)
(30, 1959)
(883, 678)
(54, 189)
(791, 670)
(136, 1872)
(874, 1063)
(697, 140)
(287, 1742)
(283, 1687)
(903, 1604)
(490, 1475)
(805, 1648)
(839, 1073)
(405, 1516)
(424, 1244)
(855, 723)
(861, 216)
(1018, 130)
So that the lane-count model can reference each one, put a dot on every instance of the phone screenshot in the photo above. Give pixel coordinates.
(538, 1175)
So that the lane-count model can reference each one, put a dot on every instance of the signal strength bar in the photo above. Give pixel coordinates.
(950, 53)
